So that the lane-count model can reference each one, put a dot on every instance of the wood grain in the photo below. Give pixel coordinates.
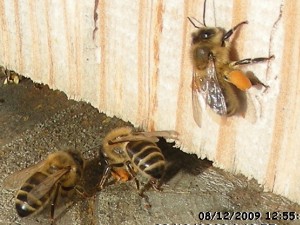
(131, 60)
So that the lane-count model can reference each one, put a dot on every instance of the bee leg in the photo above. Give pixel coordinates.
(54, 203)
(251, 61)
(151, 183)
(105, 176)
(254, 80)
(110, 168)
(107, 173)
(145, 187)
(230, 32)
(156, 185)
(132, 174)
(80, 190)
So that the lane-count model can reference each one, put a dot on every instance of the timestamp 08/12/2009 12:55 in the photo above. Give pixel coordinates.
(216, 224)
(224, 218)
(252, 216)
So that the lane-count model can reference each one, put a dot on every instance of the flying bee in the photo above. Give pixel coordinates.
(42, 183)
(217, 80)
(128, 152)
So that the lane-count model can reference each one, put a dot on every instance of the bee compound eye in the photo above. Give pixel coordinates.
(207, 33)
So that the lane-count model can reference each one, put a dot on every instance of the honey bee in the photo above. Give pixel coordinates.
(128, 152)
(43, 182)
(217, 81)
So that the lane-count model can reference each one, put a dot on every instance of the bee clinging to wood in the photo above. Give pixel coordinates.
(217, 81)
(128, 152)
(41, 184)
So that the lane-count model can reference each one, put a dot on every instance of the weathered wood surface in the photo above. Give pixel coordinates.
(131, 60)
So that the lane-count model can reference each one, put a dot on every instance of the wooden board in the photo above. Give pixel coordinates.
(131, 60)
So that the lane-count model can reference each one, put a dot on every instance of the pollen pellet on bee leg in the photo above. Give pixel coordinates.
(121, 175)
(215, 75)
(134, 152)
(239, 79)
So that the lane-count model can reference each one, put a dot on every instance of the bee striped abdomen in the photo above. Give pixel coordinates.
(147, 157)
(26, 203)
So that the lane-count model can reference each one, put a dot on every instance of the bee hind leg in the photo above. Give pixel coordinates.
(108, 170)
(254, 79)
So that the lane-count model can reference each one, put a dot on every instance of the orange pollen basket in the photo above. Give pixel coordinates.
(239, 79)
(121, 174)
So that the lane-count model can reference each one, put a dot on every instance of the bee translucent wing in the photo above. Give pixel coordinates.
(196, 98)
(138, 137)
(212, 91)
(164, 133)
(146, 136)
(17, 179)
(44, 187)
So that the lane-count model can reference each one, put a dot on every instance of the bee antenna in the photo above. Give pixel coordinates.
(192, 22)
(204, 9)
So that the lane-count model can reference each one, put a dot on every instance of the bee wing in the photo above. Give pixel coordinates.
(136, 137)
(146, 136)
(164, 133)
(212, 91)
(17, 179)
(196, 98)
(44, 187)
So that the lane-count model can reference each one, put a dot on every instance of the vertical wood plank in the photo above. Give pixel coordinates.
(131, 60)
